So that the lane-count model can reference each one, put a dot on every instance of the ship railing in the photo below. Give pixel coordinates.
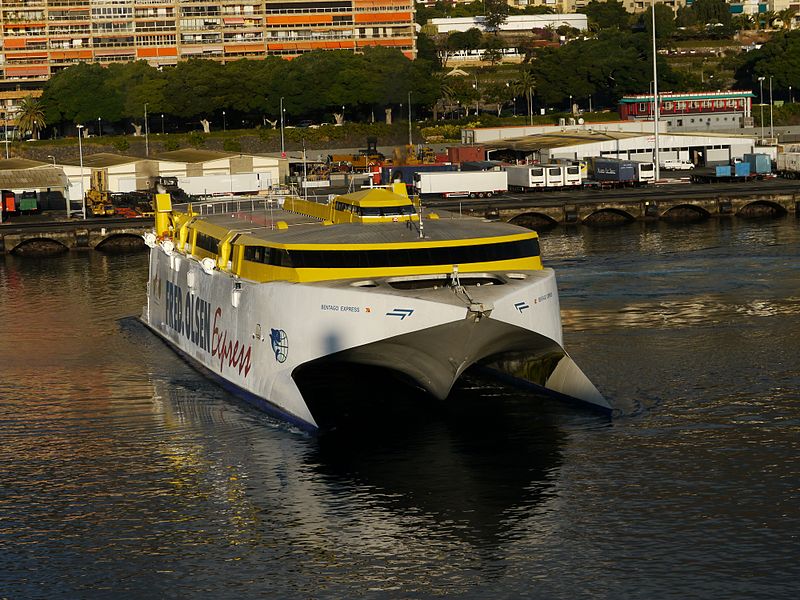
(216, 205)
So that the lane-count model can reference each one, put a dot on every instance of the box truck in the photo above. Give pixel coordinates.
(465, 184)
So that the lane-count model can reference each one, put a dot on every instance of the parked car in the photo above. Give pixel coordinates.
(677, 165)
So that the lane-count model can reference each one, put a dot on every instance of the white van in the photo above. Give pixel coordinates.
(674, 164)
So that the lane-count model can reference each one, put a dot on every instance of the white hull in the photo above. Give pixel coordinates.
(253, 336)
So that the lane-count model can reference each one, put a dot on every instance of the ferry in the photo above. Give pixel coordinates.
(265, 295)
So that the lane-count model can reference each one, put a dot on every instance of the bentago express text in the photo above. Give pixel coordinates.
(190, 315)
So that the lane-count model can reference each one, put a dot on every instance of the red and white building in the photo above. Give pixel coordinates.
(692, 111)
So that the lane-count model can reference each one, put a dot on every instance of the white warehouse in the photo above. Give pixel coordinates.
(699, 148)
(513, 24)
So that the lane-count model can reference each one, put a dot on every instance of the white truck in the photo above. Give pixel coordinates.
(552, 177)
(464, 184)
(522, 178)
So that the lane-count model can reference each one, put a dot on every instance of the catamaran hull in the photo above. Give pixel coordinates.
(253, 338)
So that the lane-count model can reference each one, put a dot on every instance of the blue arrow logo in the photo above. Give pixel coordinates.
(400, 312)
(520, 306)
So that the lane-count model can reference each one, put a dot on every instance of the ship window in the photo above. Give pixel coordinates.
(207, 243)
(409, 257)
(386, 211)
(349, 259)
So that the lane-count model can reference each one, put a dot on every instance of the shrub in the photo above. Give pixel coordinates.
(231, 145)
(121, 144)
(171, 144)
(196, 139)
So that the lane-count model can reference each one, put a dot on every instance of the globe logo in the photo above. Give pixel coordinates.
(280, 344)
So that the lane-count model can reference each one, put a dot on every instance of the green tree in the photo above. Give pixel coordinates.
(80, 94)
(496, 13)
(525, 85)
(779, 58)
(30, 116)
(665, 22)
(606, 15)
(786, 17)
(708, 12)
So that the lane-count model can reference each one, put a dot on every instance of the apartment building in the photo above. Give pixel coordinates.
(39, 38)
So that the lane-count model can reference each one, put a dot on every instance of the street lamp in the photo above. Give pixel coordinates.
(146, 137)
(342, 114)
(570, 104)
(791, 98)
(224, 122)
(53, 157)
(283, 149)
(410, 143)
(99, 128)
(761, 104)
(80, 154)
(656, 161)
(162, 123)
(477, 94)
(771, 130)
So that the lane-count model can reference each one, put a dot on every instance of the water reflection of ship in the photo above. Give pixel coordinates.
(465, 473)
(473, 465)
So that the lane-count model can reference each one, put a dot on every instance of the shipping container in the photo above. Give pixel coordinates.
(460, 154)
(613, 170)
(722, 170)
(789, 165)
(472, 184)
(760, 164)
(742, 169)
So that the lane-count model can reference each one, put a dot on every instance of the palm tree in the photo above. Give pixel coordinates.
(525, 85)
(445, 93)
(786, 16)
(30, 116)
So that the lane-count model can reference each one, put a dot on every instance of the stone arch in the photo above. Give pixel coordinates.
(686, 212)
(534, 220)
(121, 242)
(761, 208)
(39, 247)
(607, 217)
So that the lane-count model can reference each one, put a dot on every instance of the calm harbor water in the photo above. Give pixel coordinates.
(123, 473)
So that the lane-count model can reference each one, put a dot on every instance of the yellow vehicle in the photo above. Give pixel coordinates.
(98, 198)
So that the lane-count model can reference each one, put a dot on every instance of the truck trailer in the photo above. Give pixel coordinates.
(464, 184)
(617, 172)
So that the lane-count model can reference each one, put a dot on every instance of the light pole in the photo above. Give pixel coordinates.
(224, 122)
(162, 123)
(656, 161)
(52, 157)
(771, 130)
(5, 126)
(410, 143)
(761, 104)
(146, 137)
(283, 149)
(791, 98)
(342, 114)
(80, 154)
(99, 128)
(590, 103)
(477, 95)
(570, 104)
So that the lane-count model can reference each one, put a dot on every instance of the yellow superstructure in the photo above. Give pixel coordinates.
(364, 235)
